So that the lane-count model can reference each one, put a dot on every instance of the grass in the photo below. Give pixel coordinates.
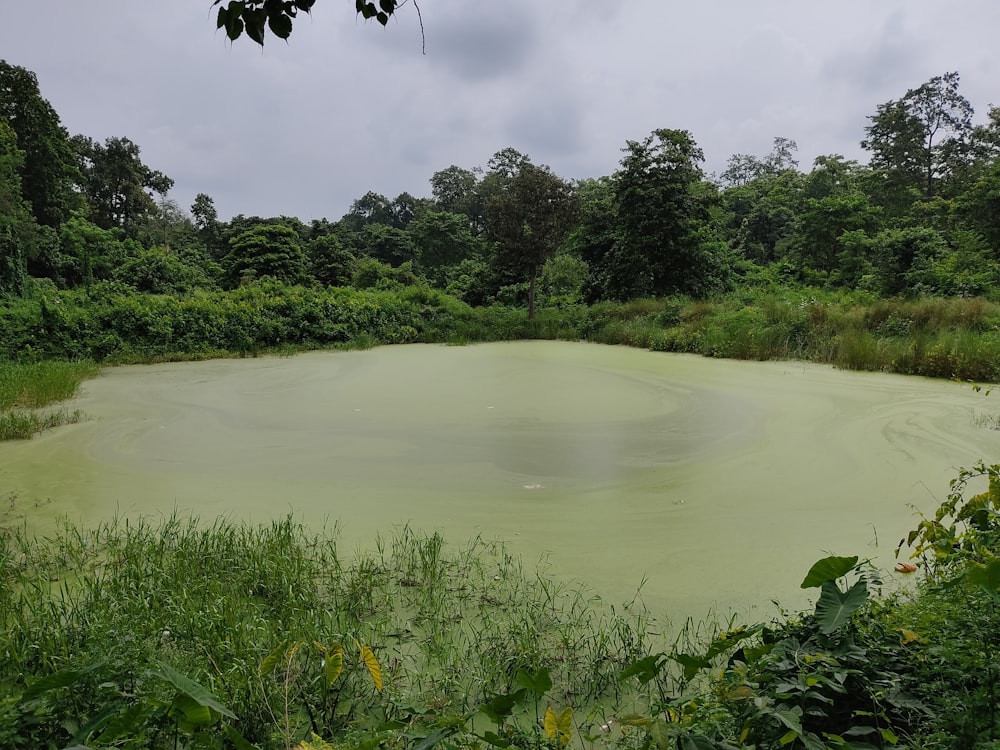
(451, 628)
(26, 390)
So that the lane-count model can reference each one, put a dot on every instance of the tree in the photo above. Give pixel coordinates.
(266, 250)
(454, 190)
(662, 246)
(529, 219)
(206, 221)
(371, 208)
(115, 182)
(920, 138)
(49, 168)
(442, 239)
(15, 219)
(595, 235)
(331, 263)
(387, 245)
(742, 169)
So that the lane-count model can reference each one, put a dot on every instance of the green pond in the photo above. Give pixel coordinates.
(712, 484)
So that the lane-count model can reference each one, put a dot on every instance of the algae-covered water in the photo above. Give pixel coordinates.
(716, 483)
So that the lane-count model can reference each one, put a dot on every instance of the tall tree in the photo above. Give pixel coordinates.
(49, 169)
(15, 220)
(370, 208)
(662, 246)
(454, 189)
(529, 219)
(266, 250)
(116, 183)
(920, 138)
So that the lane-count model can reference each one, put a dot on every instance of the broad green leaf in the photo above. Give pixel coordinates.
(499, 707)
(729, 640)
(645, 669)
(538, 683)
(194, 712)
(889, 736)
(434, 738)
(63, 678)
(125, 723)
(697, 742)
(835, 607)
(239, 741)
(692, 664)
(987, 577)
(371, 664)
(190, 688)
(271, 661)
(495, 739)
(660, 733)
(828, 569)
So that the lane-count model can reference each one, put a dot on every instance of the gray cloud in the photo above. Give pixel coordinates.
(345, 107)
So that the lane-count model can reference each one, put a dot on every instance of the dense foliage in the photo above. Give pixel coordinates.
(919, 219)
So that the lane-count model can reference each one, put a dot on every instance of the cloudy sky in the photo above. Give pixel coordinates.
(346, 106)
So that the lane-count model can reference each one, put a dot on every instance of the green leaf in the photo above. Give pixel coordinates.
(305, 5)
(125, 723)
(835, 607)
(190, 688)
(662, 735)
(692, 664)
(271, 661)
(538, 683)
(434, 738)
(239, 741)
(987, 577)
(63, 678)
(697, 742)
(828, 569)
(195, 713)
(495, 739)
(500, 706)
(645, 669)
(280, 25)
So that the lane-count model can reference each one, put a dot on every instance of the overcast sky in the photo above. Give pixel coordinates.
(345, 107)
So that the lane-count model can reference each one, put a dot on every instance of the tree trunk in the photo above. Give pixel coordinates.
(531, 294)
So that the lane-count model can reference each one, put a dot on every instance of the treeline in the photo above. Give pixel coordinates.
(922, 217)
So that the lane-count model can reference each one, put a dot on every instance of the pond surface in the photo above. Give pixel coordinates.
(716, 483)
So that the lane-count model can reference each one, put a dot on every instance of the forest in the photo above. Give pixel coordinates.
(890, 265)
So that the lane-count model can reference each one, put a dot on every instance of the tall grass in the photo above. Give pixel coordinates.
(27, 389)
(450, 627)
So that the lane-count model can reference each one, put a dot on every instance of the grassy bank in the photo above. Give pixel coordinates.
(179, 634)
(29, 390)
(936, 337)
(450, 629)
